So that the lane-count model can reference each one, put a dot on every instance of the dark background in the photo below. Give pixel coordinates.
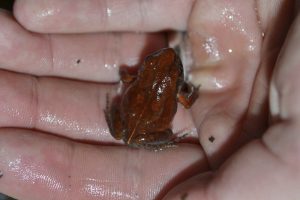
(6, 4)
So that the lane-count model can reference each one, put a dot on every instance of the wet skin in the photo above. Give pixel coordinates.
(143, 114)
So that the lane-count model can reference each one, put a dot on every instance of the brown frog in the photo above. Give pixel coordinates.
(142, 117)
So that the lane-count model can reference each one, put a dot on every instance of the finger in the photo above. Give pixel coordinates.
(241, 178)
(102, 15)
(284, 100)
(226, 41)
(226, 49)
(47, 167)
(271, 45)
(93, 57)
(69, 108)
(278, 150)
(275, 157)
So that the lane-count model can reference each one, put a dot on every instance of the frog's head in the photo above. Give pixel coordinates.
(164, 61)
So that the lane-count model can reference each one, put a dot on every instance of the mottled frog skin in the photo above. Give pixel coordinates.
(143, 115)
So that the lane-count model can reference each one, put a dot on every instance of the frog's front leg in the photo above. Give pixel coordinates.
(187, 95)
(113, 118)
(126, 75)
(154, 141)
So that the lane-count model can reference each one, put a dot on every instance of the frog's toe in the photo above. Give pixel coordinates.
(160, 147)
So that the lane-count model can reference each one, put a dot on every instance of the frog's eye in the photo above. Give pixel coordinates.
(149, 60)
(151, 63)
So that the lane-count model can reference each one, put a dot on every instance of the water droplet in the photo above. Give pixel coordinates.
(108, 12)
(211, 48)
(251, 47)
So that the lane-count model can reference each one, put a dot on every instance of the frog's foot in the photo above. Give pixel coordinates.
(179, 138)
(107, 112)
(113, 119)
(154, 146)
(160, 147)
(157, 141)
(170, 144)
(127, 76)
(188, 93)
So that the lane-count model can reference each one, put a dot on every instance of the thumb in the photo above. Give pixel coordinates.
(285, 101)
(267, 168)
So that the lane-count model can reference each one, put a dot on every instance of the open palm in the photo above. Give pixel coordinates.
(55, 143)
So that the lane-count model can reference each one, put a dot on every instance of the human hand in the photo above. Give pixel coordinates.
(52, 167)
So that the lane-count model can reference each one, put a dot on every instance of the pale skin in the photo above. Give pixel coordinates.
(231, 60)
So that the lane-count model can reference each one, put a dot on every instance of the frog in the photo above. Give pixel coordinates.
(147, 104)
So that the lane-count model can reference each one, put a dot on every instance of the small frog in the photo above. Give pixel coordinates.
(146, 107)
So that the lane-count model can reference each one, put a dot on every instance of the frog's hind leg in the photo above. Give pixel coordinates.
(113, 118)
(155, 141)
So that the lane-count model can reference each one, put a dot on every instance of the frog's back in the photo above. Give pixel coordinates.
(150, 103)
(148, 109)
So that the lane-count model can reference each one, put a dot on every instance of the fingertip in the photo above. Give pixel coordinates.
(23, 14)
(42, 16)
(98, 16)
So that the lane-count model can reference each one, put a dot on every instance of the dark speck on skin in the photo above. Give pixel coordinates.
(211, 139)
(78, 61)
(1, 174)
